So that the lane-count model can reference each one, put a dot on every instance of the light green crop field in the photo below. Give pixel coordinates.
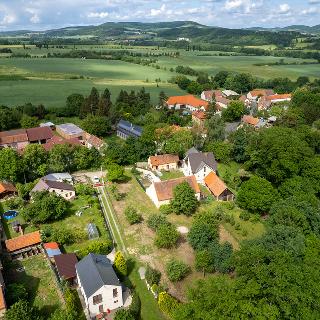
(51, 80)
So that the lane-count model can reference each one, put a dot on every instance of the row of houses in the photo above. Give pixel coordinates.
(94, 275)
(199, 168)
(49, 135)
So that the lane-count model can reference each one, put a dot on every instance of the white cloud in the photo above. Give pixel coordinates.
(314, 1)
(100, 15)
(8, 19)
(35, 18)
(158, 12)
(242, 6)
(284, 8)
(312, 10)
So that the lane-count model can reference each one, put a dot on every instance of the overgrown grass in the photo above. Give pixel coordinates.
(167, 175)
(39, 280)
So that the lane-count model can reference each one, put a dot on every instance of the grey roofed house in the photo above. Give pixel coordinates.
(95, 271)
(43, 185)
(61, 177)
(198, 159)
(126, 129)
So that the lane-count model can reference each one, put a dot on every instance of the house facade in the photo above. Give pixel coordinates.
(199, 164)
(187, 102)
(126, 129)
(165, 162)
(161, 193)
(61, 189)
(99, 285)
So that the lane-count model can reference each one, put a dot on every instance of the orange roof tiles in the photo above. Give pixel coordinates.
(188, 100)
(199, 114)
(261, 92)
(215, 184)
(24, 241)
(164, 189)
(7, 187)
(285, 96)
(51, 245)
(250, 120)
(3, 305)
(163, 159)
(13, 136)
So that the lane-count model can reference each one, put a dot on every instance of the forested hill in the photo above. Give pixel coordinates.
(166, 31)
(297, 28)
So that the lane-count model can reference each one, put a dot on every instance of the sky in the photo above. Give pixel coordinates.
(49, 14)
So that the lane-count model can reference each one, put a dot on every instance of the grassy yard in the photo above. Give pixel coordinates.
(167, 175)
(39, 280)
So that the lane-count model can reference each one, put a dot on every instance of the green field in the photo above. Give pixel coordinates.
(51, 80)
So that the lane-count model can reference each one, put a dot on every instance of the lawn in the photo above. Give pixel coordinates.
(167, 175)
(40, 282)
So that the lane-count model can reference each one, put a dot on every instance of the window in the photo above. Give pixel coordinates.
(97, 299)
(204, 169)
(115, 292)
(101, 308)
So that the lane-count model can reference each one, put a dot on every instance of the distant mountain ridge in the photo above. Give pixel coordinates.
(298, 28)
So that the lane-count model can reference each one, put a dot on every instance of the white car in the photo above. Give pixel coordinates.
(96, 179)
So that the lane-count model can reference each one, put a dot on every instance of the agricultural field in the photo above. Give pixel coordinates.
(51, 80)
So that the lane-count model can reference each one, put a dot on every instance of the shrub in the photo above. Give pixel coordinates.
(165, 209)
(120, 264)
(166, 236)
(177, 270)
(15, 203)
(156, 220)
(203, 261)
(135, 305)
(97, 247)
(237, 226)
(61, 235)
(167, 303)
(115, 192)
(153, 276)
(201, 235)
(124, 314)
(244, 215)
(244, 233)
(15, 292)
(84, 189)
(132, 215)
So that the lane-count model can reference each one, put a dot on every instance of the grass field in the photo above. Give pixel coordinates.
(39, 282)
(51, 80)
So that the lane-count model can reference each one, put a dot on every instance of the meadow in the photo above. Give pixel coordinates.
(51, 80)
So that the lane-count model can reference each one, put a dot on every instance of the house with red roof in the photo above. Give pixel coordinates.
(218, 188)
(187, 102)
(267, 101)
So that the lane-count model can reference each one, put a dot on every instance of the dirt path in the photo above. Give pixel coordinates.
(225, 236)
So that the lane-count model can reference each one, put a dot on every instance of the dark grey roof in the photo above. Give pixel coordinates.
(197, 160)
(192, 150)
(130, 128)
(95, 271)
(58, 185)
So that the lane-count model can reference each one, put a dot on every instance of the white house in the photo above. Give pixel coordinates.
(199, 164)
(60, 177)
(187, 102)
(257, 93)
(208, 95)
(62, 189)
(99, 285)
(161, 193)
(229, 93)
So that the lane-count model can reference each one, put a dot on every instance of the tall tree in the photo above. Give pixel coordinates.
(184, 200)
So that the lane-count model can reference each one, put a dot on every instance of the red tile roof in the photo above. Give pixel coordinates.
(188, 100)
(163, 159)
(199, 114)
(66, 265)
(164, 189)
(223, 100)
(215, 184)
(13, 136)
(261, 92)
(39, 133)
(59, 140)
(250, 120)
(51, 245)
(285, 96)
(7, 187)
(24, 241)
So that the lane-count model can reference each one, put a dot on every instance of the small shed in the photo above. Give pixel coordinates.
(93, 232)
(66, 266)
(52, 249)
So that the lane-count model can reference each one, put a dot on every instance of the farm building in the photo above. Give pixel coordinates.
(162, 192)
(55, 140)
(40, 135)
(126, 129)
(17, 139)
(163, 162)
(99, 285)
(92, 141)
(266, 102)
(69, 131)
(218, 188)
(199, 118)
(52, 249)
(24, 246)
(209, 95)
(188, 102)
